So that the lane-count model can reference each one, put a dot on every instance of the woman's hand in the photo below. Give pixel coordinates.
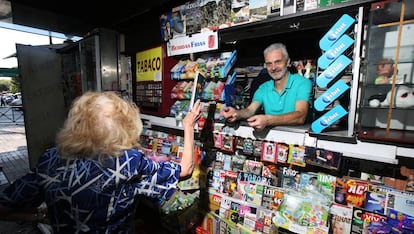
(193, 115)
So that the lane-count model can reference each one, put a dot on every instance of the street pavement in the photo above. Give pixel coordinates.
(14, 161)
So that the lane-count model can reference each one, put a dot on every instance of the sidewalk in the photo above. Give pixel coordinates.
(14, 163)
(14, 160)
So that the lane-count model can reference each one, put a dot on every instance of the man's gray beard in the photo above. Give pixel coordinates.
(284, 71)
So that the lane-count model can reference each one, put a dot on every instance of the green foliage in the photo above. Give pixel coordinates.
(5, 85)
(15, 85)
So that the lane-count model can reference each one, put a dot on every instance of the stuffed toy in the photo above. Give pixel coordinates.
(404, 98)
(385, 70)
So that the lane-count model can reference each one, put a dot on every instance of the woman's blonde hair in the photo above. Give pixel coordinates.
(99, 124)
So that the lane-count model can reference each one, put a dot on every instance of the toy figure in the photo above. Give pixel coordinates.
(404, 98)
(385, 70)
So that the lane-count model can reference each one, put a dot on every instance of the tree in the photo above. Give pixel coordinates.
(5, 85)
(15, 85)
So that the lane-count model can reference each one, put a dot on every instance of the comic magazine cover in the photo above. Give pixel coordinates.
(254, 193)
(340, 219)
(272, 197)
(355, 192)
(243, 209)
(282, 152)
(248, 146)
(233, 215)
(297, 155)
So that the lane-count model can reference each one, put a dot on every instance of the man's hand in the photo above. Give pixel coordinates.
(258, 122)
(229, 113)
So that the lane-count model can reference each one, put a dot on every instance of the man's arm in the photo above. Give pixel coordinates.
(247, 112)
(296, 117)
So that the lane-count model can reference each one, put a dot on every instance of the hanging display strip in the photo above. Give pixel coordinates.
(336, 31)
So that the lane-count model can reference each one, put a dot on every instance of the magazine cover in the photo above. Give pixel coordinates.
(197, 90)
(165, 26)
(322, 158)
(297, 155)
(250, 177)
(340, 219)
(355, 192)
(257, 148)
(264, 220)
(401, 222)
(258, 10)
(375, 199)
(254, 193)
(238, 162)
(272, 197)
(288, 177)
(326, 184)
(273, 7)
(308, 181)
(225, 207)
(270, 171)
(374, 222)
(192, 17)
(227, 162)
(400, 201)
(288, 7)
(269, 150)
(282, 152)
(252, 166)
(240, 12)
(340, 191)
(214, 202)
(230, 182)
(219, 162)
(357, 224)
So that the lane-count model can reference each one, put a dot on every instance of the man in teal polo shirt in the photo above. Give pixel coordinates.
(285, 98)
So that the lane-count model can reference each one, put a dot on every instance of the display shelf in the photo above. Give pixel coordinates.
(387, 100)
(299, 135)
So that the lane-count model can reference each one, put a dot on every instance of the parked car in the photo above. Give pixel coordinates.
(17, 103)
